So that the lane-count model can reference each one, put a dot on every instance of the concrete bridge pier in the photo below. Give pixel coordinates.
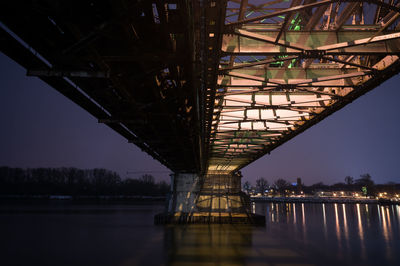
(185, 189)
(212, 198)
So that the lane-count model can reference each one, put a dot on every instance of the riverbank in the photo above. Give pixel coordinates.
(324, 200)
(81, 198)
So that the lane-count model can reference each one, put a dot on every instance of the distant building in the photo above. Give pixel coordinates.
(299, 187)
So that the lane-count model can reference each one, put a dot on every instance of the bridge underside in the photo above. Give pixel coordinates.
(206, 87)
(286, 65)
(131, 64)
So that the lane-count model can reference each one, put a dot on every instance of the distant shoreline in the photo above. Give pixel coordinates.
(323, 200)
(82, 199)
(145, 199)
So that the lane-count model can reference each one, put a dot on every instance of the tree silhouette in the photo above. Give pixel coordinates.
(366, 181)
(75, 182)
(247, 187)
(281, 185)
(349, 180)
(147, 179)
(261, 185)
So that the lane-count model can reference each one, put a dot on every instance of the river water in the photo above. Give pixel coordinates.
(294, 234)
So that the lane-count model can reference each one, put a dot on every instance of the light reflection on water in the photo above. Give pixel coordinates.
(229, 245)
(294, 234)
(338, 233)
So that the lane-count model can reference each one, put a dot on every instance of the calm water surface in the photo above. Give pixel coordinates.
(294, 234)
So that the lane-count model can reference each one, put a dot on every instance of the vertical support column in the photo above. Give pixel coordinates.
(221, 195)
(185, 188)
(214, 198)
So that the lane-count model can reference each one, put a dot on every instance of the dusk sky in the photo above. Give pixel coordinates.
(42, 128)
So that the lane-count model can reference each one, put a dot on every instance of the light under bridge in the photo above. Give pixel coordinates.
(206, 87)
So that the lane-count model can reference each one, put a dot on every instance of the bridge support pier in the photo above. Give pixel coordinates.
(185, 188)
(215, 198)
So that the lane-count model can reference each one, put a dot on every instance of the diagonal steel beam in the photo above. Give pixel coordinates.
(67, 73)
(288, 17)
(320, 42)
(289, 103)
(347, 63)
(380, 38)
(345, 14)
(308, 6)
(335, 77)
(281, 12)
(268, 39)
(315, 18)
(257, 63)
(251, 77)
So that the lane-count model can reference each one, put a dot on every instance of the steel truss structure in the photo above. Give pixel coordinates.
(285, 65)
(131, 64)
(206, 86)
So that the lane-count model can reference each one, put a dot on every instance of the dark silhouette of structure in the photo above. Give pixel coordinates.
(75, 182)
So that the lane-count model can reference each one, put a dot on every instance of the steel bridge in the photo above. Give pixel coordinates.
(206, 86)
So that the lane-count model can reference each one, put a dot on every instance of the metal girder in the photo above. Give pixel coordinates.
(281, 12)
(268, 104)
(305, 109)
(365, 41)
(315, 18)
(124, 121)
(283, 71)
(257, 63)
(288, 17)
(27, 59)
(269, 39)
(348, 79)
(238, 143)
(116, 60)
(67, 73)
(233, 80)
(308, 6)
(349, 63)
(347, 11)
(282, 75)
(311, 44)
(286, 122)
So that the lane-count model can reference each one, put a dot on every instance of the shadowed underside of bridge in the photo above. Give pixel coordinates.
(129, 63)
(206, 87)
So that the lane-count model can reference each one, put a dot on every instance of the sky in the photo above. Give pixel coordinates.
(42, 128)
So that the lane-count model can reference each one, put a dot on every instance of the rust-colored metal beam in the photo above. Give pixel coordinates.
(303, 73)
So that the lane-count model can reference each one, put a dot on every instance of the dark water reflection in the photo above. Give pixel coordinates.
(353, 234)
(230, 245)
(295, 234)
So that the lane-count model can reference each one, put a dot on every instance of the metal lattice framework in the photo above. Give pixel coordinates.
(129, 63)
(206, 86)
(285, 65)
